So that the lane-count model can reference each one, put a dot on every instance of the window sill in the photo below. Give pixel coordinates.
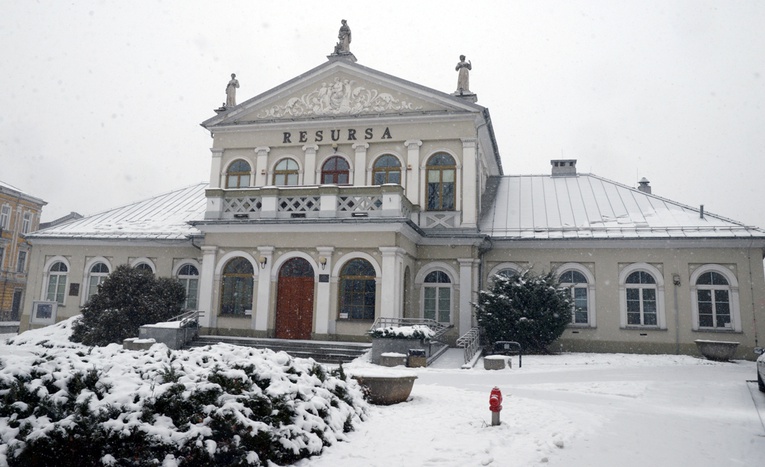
(642, 328)
(718, 331)
(231, 315)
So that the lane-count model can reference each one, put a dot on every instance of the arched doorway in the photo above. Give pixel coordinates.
(294, 300)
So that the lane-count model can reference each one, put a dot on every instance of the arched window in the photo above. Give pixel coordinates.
(96, 276)
(642, 309)
(441, 176)
(386, 169)
(188, 276)
(238, 174)
(57, 275)
(437, 297)
(357, 290)
(286, 173)
(335, 171)
(712, 293)
(236, 287)
(145, 267)
(576, 284)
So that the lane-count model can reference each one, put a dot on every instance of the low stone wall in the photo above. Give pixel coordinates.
(172, 336)
(393, 345)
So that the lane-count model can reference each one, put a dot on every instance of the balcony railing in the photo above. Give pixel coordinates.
(326, 201)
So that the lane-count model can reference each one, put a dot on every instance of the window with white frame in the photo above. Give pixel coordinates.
(642, 299)
(286, 173)
(5, 216)
(96, 276)
(21, 264)
(56, 288)
(437, 297)
(576, 284)
(145, 267)
(715, 299)
(188, 275)
(238, 174)
(26, 223)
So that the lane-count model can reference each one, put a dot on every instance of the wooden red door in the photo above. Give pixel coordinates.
(294, 300)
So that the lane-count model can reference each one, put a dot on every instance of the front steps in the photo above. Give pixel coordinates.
(321, 351)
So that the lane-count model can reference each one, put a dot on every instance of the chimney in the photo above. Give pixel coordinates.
(644, 185)
(563, 167)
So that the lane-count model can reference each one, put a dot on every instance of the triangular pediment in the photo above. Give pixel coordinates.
(340, 89)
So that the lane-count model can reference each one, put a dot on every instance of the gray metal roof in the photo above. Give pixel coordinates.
(163, 217)
(588, 206)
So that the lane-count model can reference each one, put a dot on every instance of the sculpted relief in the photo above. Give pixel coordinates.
(339, 97)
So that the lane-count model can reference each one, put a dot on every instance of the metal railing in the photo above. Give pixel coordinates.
(471, 342)
(187, 318)
(439, 329)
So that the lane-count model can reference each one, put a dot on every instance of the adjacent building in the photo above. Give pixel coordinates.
(19, 216)
(347, 194)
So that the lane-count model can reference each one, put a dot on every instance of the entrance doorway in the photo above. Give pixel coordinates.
(294, 300)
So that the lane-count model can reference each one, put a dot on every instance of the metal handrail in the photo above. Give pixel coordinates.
(471, 342)
(186, 317)
(438, 328)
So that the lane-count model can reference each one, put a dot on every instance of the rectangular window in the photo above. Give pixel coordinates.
(2, 256)
(444, 304)
(22, 263)
(429, 307)
(16, 305)
(5, 216)
(580, 305)
(26, 224)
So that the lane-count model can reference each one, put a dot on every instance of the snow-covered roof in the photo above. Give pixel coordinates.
(13, 191)
(588, 206)
(163, 217)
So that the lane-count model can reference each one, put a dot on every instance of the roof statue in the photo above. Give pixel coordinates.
(343, 46)
(231, 87)
(463, 79)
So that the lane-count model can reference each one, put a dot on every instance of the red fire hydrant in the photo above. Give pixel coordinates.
(495, 405)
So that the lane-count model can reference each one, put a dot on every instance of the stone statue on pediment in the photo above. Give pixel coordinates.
(463, 77)
(344, 36)
(231, 88)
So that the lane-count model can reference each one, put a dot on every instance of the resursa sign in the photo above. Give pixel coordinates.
(318, 136)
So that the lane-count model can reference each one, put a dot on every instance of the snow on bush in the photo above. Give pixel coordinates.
(64, 404)
(417, 331)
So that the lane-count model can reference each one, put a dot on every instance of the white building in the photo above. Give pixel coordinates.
(347, 194)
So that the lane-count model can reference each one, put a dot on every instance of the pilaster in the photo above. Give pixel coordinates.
(261, 166)
(469, 183)
(360, 164)
(206, 284)
(465, 313)
(413, 170)
(260, 317)
(323, 290)
(215, 167)
(309, 175)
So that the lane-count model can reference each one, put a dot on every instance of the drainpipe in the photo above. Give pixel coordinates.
(676, 283)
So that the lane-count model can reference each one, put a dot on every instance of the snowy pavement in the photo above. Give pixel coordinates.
(568, 410)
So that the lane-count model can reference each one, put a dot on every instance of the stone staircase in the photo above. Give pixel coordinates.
(321, 351)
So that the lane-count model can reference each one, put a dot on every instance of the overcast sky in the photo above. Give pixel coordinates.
(100, 101)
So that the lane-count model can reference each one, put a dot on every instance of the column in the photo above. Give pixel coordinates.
(360, 164)
(263, 302)
(469, 183)
(215, 167)
(467, 266)
(261, 166)
(206, 284)
(413, 188)
(323, 290)
(309, 173)
(390, 290)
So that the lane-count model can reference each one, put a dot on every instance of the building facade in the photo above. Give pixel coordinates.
(346, 195)
(19, 216)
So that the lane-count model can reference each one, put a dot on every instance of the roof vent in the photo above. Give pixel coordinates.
(644, 185)
(563, 167)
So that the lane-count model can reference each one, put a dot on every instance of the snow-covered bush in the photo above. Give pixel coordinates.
(529, 309)
(126, 300)
(65, 404)
(417, 331)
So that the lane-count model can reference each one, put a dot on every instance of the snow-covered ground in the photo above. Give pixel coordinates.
(564, 410)
(567, 410)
